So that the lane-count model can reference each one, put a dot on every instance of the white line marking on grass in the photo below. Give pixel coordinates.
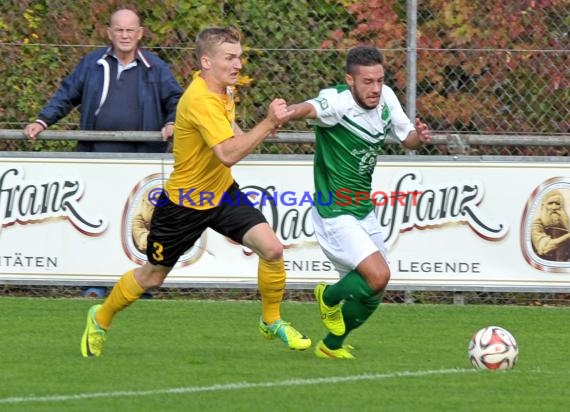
(233, 386)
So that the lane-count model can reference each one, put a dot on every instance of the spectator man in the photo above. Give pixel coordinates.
(119, 88)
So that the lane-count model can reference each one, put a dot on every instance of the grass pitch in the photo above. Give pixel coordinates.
(184, 355)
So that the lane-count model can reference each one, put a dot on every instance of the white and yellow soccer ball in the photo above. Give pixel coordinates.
(494, 348)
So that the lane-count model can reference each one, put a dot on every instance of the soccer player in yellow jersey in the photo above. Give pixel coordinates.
(203, 194)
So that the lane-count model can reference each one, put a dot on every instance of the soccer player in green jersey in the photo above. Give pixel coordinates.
(351, 123)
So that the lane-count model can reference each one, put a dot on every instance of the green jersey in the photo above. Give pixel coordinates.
(348, 139)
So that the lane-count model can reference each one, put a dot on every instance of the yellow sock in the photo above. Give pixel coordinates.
(271, 282)
(125, 292)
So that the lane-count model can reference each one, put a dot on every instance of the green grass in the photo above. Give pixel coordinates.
(409, 358)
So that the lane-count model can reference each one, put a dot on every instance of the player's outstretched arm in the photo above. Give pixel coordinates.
(302, 111)
(232, 150)
(418, 137)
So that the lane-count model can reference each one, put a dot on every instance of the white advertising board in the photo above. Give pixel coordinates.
(453, 225)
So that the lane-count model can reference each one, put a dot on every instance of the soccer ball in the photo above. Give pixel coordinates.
(493, 348)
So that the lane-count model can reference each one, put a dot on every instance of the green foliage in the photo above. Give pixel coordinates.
(171, 27)
(470, 78)
(281, 38)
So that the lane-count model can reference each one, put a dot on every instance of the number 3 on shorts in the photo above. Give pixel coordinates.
(157, 253)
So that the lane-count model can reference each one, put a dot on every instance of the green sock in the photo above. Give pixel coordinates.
(351, 286)
(355, 313)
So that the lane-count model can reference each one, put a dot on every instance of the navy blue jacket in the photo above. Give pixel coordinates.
(87, 87)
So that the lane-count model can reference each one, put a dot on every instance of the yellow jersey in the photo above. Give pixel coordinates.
(203, 120)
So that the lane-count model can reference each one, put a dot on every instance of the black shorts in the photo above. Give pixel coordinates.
(174, 229)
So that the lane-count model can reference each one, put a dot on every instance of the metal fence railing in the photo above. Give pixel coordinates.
(302, 142)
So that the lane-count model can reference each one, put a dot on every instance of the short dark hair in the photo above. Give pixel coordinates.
(210, 37)
(363, 56)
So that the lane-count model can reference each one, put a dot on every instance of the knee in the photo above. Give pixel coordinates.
(380, 280)
(272, 251)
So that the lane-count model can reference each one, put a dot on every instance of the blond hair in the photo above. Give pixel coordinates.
(208, 39)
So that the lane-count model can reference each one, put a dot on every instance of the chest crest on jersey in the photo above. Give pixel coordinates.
(385, 113)
(366, 160)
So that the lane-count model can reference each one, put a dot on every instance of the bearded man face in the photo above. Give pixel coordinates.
(553, 213)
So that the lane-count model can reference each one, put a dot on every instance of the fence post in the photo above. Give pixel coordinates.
(411, 57)
(456, 145)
